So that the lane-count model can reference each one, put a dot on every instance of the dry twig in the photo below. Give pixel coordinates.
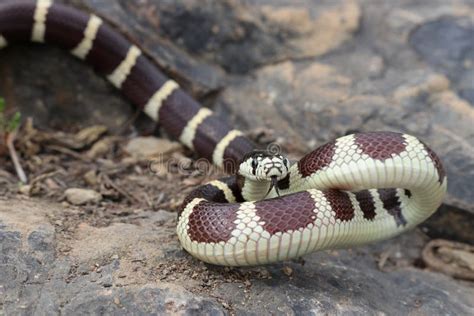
(10, 138)
(120, 190)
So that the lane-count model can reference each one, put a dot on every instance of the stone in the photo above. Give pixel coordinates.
(78, 196)
(101, 147)
(36, 277)
(447, 44)
(25, 189)
(308, 36)
(151, 147)
(137, 268)
(90, 177)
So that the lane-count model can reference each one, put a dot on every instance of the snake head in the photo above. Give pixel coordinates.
(264, 166)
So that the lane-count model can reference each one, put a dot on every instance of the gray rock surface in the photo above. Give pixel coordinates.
(36, 279)
(447, 45)
(308, 70)
(140, 269)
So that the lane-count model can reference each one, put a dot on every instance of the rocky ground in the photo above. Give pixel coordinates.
(298, 73)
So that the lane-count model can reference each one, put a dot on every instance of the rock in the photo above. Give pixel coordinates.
(79, 196)
(91, 177)
(236, 36)
(90, 135)
(127, 268)
(69, 80)
(156, 300)
(306, 36)
(148, 147)
(101, 147)
(40, 280)
(25, 189)
(445, 43)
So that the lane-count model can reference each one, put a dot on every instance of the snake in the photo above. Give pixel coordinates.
(354, 190)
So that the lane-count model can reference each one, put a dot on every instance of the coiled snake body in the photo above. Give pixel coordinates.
(351, 191)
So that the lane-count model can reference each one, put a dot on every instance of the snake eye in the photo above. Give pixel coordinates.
(254, 164)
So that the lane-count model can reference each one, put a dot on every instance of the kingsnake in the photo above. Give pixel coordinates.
(353, 190)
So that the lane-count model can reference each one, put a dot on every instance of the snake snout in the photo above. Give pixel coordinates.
(275, 169)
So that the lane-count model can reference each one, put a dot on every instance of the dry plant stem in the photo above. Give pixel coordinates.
(69, 152)
(16, 161)
(45, 176)
(436, 263)
(130, 197)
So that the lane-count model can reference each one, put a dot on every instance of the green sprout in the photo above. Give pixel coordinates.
(8, 124)
(8, 127)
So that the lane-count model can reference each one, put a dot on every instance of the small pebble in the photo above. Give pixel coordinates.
(90, 177)
(146, 147)
(101, 148)
(288, 271)
(25, 189)
(78, 196)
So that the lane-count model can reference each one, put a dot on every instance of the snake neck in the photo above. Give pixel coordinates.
(253, 190)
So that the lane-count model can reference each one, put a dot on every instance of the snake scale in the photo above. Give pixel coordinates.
(354, 190)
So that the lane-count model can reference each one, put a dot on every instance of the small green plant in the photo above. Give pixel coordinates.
(8, 128)
(8, 124)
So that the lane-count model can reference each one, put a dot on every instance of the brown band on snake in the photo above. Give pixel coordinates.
(235, 187)
(341, 204)
(208, 135)
(61, 18)
(208, 192)
(142, 82)
(108, 51)
(392, 205)
(317, 159)
(437, 163)
(177, 110)
(274, 212)
(380, 145)
(234, 152)
(366, 203)
(16, 21)
(212, 222)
